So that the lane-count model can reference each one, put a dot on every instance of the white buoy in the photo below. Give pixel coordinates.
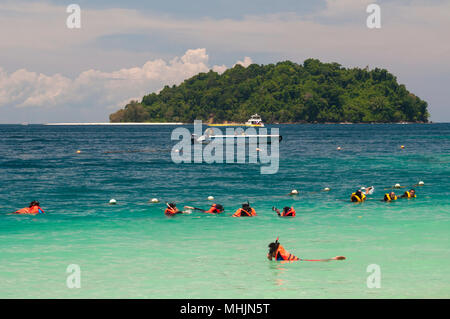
(397, 185)
(210, 197)
(154, 200)
(293, 192)
(112, 202)
(421, 183)
(326, 189)
(339, 148)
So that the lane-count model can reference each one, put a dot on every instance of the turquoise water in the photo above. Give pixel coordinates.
(132, 250)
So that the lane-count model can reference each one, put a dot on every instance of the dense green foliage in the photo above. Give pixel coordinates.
(285, 92)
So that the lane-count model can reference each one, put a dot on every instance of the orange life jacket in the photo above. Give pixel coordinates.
(282, 254)
(242, 213)
(30, 211)
(213, 210)
(36, 210)
(289, 213)
(170, 211)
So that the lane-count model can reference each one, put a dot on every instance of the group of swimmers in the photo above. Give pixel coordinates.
(246, 210)
(276, 251)
(360, 195)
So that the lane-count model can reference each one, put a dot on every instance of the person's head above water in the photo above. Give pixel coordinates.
(273, 247)
(286, 209)
(412, 192)
(246, 207)
(392, 194)
(173, 205)
(34, 203)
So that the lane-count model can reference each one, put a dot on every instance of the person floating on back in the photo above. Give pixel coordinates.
(278, 253)
(388, 197)
(409, 194)
(33, 209)
(358, 197)
(287, 211)
(245, 211)
(172, 210)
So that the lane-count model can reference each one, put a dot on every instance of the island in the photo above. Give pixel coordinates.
(286, 92)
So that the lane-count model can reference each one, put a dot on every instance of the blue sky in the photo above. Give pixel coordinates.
(126, 49)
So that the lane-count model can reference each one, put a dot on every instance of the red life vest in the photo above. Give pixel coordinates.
(30, 211)
(242, 213)
(282, 254)
(289, 213)
(170, 211)
(36, 210)
(213, 210)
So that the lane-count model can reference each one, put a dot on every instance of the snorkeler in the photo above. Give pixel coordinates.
(245, 211)
(172, 210)
(32, 209)
(389, 197)
(287, 211)
(278, 253)
(214, 209)
(358, 197)
(409, 194)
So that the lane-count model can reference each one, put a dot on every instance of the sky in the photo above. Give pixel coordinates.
(126, 49)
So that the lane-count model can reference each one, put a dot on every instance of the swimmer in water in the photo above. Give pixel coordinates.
(278, 253)
(287, 211)
(32, 209)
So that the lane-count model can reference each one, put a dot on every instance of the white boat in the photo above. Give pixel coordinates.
(209, 136)
(255, 120)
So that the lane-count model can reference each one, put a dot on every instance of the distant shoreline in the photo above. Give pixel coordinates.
(206, 124)
(224, 124)
(125, 123)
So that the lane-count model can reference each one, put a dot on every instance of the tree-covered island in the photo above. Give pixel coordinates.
(285, 92)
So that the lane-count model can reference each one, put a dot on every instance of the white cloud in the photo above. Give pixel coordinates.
(220, 68)
(247, 61)
(106, 90)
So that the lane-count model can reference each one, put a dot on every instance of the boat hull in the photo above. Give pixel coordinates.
(247, 125)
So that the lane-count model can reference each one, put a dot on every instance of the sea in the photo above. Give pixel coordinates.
(82, 247)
